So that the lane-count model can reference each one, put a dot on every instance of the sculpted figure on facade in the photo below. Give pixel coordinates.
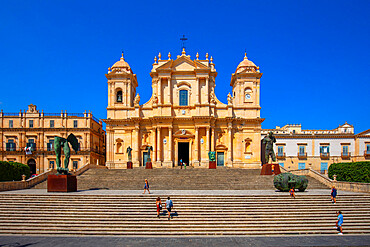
(155, 99)
(213, 98)
(229, 99)
(137, 99)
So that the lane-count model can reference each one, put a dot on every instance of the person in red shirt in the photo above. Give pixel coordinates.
(291, 191)
(159, 205)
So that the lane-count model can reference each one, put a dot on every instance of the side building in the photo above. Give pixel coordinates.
(36, 131)
(318, 149)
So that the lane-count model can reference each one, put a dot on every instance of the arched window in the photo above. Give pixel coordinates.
(183, 98)
(119, 96)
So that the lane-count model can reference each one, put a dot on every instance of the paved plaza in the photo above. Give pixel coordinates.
(322, 240)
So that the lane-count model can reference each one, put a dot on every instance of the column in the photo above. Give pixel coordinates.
(88, 141)
(170, 143)
(137, 130)
(230, 149)
(197, 87)
(196, 143)
(169, 90)
(208, 144)
(207, 90)
(213, 139)
(154, 142)
(159, 144)
(159, 90)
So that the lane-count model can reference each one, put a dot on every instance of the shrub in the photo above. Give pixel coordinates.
(351, 172)
(10, 171)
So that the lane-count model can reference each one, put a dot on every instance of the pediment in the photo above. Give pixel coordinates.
(183, 63)
(183, 133)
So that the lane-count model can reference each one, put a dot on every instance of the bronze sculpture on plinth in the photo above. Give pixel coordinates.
(129, 155)
(268, 141)
(59, 143)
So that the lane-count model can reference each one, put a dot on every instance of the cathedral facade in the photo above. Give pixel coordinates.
(184, 120)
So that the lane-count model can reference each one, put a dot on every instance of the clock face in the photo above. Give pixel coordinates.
(247, 96)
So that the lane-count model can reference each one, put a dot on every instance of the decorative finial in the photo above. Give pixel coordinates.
(206, 56)
(183, 51)
(159, 56)
(122, 58)
(245, 55)
(197, 56)
(109, 69)
(211, 59)
(155, 59)
(169, 55)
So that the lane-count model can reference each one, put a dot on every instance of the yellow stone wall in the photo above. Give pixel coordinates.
(206, 123)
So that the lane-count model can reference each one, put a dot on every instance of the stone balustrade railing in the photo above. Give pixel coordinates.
(347, 186)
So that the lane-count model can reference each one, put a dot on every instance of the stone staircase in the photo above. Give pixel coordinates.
(178, 179)
(193, 215)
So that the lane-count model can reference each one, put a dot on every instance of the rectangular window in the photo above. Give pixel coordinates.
(75, 164)
(281, 164)
(51, 123)
(10, 145)
(50, 145)
(368, 148)
(10, 123)
(74, 123)
(183, 97)
(280, 150)
(345, 150)
(51, 164)
(301, 166)
(31, 143)
(324, 149)
(301, 150)
(324, 167)
(31, 123)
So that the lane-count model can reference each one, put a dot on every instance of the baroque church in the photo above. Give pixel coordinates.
(183, 119)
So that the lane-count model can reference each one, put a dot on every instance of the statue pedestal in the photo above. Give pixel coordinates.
(62, 183)
(267, 169)
(148, 165)
(129, 165)
(212, 165)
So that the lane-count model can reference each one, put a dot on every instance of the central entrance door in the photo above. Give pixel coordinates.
(183, 152)
(220, 158)
(145, 158)
(32, 164)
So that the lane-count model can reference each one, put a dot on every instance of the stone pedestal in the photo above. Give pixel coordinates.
(62, 183)
(269, 169)
(212, 165)
(148, 165)
(129, 165)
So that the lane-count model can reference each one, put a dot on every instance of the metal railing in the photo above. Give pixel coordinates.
(325, 156)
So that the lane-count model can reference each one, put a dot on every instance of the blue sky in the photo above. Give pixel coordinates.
(314, 55)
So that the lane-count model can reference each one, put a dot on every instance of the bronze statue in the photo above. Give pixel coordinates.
(149, 148)
(128, 150)
(269, 141)
(60, 142)
(212, 155)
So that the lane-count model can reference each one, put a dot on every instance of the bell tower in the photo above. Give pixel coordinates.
(122, 83)
(246, 86)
